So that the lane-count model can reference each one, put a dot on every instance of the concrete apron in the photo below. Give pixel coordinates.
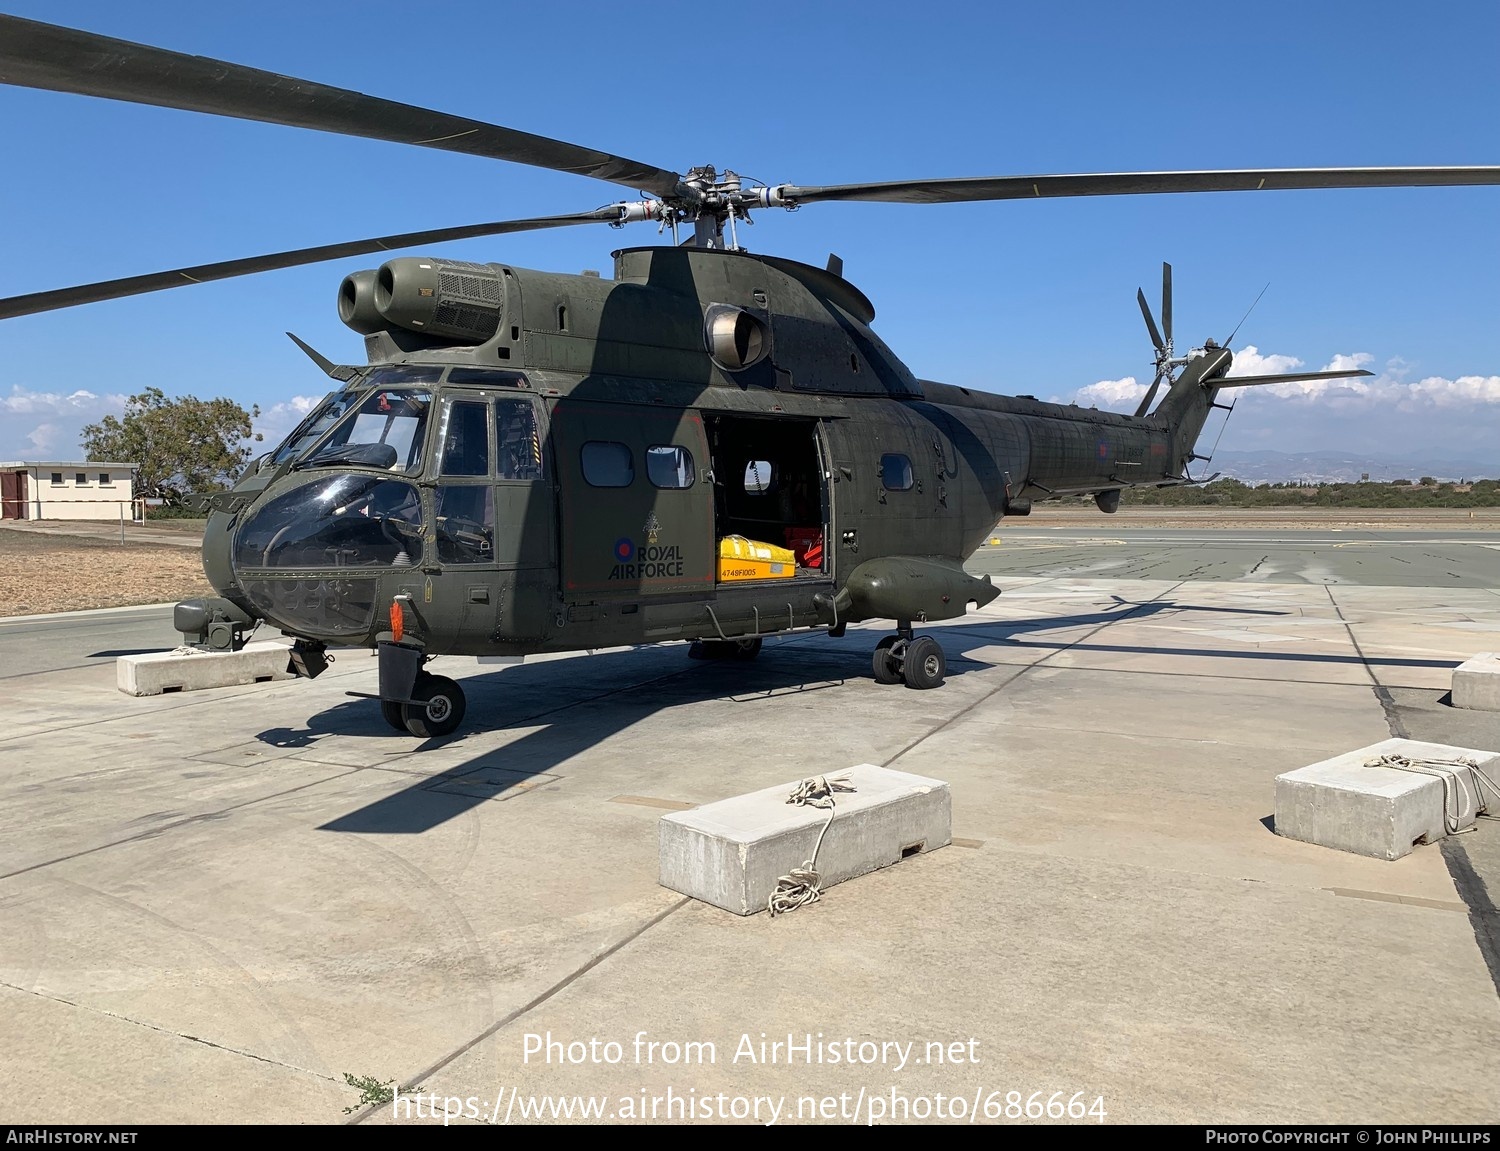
(217, 904)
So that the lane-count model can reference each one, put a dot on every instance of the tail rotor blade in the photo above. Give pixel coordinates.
(1166, 301)
(1140, 298)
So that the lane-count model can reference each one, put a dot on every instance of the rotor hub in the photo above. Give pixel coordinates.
(709, 200)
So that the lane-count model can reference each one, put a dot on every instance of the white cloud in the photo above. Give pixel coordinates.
(1465, 390)
(1249, 362)
(1388, 391)
(275, 422)
(47, 425)
(1122, 395)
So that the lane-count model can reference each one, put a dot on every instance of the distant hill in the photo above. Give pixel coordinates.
(1268, 467)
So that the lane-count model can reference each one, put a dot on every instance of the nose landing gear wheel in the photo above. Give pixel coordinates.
(439, 708)
(924, 665)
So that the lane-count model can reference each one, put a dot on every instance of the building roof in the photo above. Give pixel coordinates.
(75, 465)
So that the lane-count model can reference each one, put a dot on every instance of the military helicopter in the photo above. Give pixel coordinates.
(713, 445)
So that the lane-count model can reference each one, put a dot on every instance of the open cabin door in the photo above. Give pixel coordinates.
(636, 502)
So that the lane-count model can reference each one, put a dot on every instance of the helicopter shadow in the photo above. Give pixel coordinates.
(564, 713)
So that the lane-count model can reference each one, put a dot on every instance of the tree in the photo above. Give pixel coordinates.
(182, 445)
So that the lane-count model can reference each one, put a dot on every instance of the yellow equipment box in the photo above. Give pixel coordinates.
(742, 559)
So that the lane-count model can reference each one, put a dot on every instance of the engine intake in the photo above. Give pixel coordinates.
(357, 303)
(453, 299)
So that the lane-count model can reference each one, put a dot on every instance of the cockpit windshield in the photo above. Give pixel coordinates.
(319, 420)
(387, 431)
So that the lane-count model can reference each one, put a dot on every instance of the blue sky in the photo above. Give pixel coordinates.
(1033, 297)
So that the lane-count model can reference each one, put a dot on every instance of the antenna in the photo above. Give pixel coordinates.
(1246, 316)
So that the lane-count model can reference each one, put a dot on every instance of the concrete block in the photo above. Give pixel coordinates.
(731, 853)
(1379, 811)
(163, 671)
(1476, 683)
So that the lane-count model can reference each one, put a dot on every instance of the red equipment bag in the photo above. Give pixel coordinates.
(807, 545)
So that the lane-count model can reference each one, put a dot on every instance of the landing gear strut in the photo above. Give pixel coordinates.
(916, 660)
(433, 705)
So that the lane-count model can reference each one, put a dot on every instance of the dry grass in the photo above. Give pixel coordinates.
(47, 573)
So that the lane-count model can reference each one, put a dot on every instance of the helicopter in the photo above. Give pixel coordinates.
(712, 445)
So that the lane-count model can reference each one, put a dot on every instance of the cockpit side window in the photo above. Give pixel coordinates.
(466, 440)
(518, 441)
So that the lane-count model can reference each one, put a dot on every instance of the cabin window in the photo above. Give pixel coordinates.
(104, 480)
(895, 472)
(82, 478)
(57, 479)
(466, 524)
(466, 440)
(607, 464)
(518, 442)
(668, 466)
(758, 477)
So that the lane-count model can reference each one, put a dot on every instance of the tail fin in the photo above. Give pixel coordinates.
(1193, 395)
(1185, 408)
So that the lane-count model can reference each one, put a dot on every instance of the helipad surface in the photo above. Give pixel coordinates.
(214, 906)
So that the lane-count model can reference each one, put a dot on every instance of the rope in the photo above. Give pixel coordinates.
(804, 885)
(1449, 771)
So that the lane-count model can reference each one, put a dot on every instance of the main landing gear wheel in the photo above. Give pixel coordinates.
(391, 712)
(919, 662)
(439, 708)
(886, 662)
(924, 664)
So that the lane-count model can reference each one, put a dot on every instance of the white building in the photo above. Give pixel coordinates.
(49, 490)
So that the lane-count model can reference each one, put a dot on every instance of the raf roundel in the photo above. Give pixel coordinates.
(624, 550)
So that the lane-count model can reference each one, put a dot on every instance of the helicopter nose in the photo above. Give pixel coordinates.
(312, 557)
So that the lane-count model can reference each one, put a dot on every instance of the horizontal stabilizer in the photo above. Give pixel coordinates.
(1288, 378)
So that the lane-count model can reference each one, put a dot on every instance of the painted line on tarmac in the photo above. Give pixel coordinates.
(84, 614)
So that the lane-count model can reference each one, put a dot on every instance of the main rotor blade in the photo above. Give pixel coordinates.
(1150, 394)
(1166, 301)
(35, 55)
(226, 269)
(1140, 298)
(964, 189)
